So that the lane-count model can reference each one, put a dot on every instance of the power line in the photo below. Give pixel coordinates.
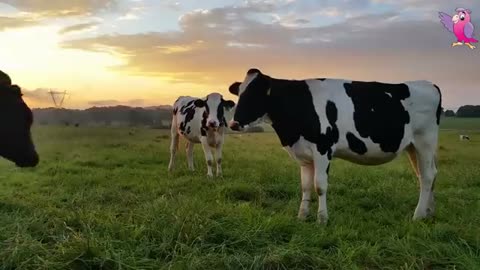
(58, 102)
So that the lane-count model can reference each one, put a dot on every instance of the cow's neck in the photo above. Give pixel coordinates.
(288, 104)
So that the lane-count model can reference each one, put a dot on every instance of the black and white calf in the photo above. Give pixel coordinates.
(368, 123)
(464, 137)
(200, 121)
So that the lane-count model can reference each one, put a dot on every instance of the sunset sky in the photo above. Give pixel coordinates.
(149, 52)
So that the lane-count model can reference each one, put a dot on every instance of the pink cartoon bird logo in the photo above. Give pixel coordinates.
(460, 25)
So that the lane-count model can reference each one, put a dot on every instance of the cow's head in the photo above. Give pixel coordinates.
(16, 119)
(215, 107)
(252, 99)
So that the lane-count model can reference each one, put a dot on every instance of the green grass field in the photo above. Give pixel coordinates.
(460, 123)
(102, 199)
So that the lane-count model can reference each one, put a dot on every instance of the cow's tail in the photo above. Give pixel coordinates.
(439, 114)
(439, 106)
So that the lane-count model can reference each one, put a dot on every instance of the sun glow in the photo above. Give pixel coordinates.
(34, 58)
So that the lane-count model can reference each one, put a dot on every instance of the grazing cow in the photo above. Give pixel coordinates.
(368, 123)
(464, 137)
(16, 119)
(200, 121)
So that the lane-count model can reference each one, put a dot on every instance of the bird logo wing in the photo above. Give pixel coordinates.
(468, 30)
(446, 20)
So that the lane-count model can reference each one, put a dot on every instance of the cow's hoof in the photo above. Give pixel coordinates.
(424, 214)
(322, 218)
(302, 216)
(427, 216)
(210, 175)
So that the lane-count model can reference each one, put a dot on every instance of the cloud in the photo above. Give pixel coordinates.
(15, 22)
(217, 46)
(61, 8)
(133, 13)
(173, 4)
(113, 102)
(128, 17)
(78, 28)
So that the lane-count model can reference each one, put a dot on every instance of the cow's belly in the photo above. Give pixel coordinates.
(369, 158)
(189, 133)
(303, 152)
(191, 138)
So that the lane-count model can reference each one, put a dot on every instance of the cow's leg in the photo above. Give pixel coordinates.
(189, 148)
(174, 137)
(208, 156)
(307, 174)
(218, 157)
(425, 147)
(412, 156)
(322, 165)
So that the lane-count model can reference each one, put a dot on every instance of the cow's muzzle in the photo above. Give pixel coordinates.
(235, 126)
(28, 162)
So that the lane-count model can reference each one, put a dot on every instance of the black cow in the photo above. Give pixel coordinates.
(367, 123)
(16, 119)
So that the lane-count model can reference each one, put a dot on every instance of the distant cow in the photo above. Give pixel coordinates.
(200, 121)
(368, 123)
(16, 119)
(464, 137)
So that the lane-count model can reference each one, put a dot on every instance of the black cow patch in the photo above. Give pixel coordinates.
(321, 79)
(379, 113)
(204, 128)
(355, 144)
(293, 115)
(189, 111)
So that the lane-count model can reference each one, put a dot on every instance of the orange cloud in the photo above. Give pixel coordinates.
(61, 8)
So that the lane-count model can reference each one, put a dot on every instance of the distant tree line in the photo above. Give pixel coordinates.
(464, 111)
(156, 117)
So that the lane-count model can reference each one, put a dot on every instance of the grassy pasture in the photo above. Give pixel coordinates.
(102, 199)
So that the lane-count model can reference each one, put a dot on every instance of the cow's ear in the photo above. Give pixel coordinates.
(200, 103)
(228, 104)
(253, 71)
(234, 88)
(5, 79)
(16, 90)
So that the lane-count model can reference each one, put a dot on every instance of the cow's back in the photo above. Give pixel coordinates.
(375, 121)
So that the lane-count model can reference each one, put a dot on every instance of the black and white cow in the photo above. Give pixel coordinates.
(368, 123)
(16, 119)
(464, 137)
(200, 121)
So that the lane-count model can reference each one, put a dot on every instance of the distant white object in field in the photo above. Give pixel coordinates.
(464, 138)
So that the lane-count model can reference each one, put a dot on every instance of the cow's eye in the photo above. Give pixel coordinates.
(462, 16)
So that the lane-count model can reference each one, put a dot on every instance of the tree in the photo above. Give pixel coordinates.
(449, 113)
(469, 111)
